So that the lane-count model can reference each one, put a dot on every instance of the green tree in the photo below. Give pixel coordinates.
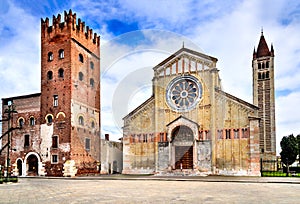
(289, 149)
(298, 142)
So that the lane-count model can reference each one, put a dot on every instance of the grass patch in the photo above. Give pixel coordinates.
(279, 174)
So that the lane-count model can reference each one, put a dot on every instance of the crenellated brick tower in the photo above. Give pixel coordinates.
(264, 96)
(70, 96)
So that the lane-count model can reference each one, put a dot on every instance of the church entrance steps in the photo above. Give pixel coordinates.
(183, 172)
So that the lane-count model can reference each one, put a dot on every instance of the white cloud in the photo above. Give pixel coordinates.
(19, 53)
(227, 30)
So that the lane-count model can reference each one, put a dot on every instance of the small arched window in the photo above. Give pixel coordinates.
(93, 124)
(267, 75)
(263, 75)
(259, 75)
(32, 121)
(50, 56)
(267, 64)
(49, 75)
(92, 82)
(80, 58)
(49, 119)
(21, 122)
(263, 65)
(92, 65)
(259, 66)
(61, 73)
(61, 54)
(81, 120)
(80, 76)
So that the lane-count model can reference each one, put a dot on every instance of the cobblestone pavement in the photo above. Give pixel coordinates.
(43, 190)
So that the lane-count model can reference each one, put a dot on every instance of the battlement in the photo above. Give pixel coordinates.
(70, 24)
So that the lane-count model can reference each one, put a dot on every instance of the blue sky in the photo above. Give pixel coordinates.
(137, 35)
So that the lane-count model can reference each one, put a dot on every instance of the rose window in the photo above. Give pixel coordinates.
(183, 93)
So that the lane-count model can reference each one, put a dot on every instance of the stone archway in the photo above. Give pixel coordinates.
(32, 165)
(182, 141)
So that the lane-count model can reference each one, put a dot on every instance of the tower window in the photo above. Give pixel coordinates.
(50, 56)
(61, 54)
(61, 73)
(259, 75)
(93, 124)
(263, 75)
(21, 122)
(55, 100)
(54, 158)
(267, 64)
(263, 65)
(259, 66)
(267, 75)
(87, 143)
(49, 119)
(32, 121)
(26, 140)
(81, 120)
(92, 65)
(49, 75)
(80, 76)
(92, 82)
(55, 141)
(80, 58)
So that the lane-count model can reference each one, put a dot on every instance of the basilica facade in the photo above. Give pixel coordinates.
(191, 125)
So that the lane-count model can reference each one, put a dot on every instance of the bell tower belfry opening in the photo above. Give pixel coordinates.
(264, 95)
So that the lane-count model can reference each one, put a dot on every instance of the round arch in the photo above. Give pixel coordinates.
(32, 163)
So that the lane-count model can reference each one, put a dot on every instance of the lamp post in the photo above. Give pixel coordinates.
(9, 111)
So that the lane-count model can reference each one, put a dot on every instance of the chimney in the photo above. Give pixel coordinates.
(107, 137)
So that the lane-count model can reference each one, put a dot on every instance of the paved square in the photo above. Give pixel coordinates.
(36, 190)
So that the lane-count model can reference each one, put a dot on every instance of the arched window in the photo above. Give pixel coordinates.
(80, 58)
(93, 124)
(61, 73)
(81, 120)
(92, 65)
(92, 82)
(21, 122)
(263, 75)
(49, 75)
(267, 64)
(267, 75)
(259, 75)
(80, 76)
(61, 54)
(49, 119)
(32, 121)
(263, 65)
(259, 66)
(50, 56)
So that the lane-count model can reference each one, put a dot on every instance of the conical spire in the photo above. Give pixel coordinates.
(262, 49)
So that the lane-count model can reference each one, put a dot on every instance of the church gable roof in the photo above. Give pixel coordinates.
(140, 107)
(238, 100)
(186, 50)
(186, 53)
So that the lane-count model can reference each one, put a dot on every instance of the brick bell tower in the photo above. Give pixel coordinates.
(70, 96)
(264, 96)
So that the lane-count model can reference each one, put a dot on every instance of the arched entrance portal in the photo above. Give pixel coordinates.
(32, 165)
(182, 141)
(19, 166)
